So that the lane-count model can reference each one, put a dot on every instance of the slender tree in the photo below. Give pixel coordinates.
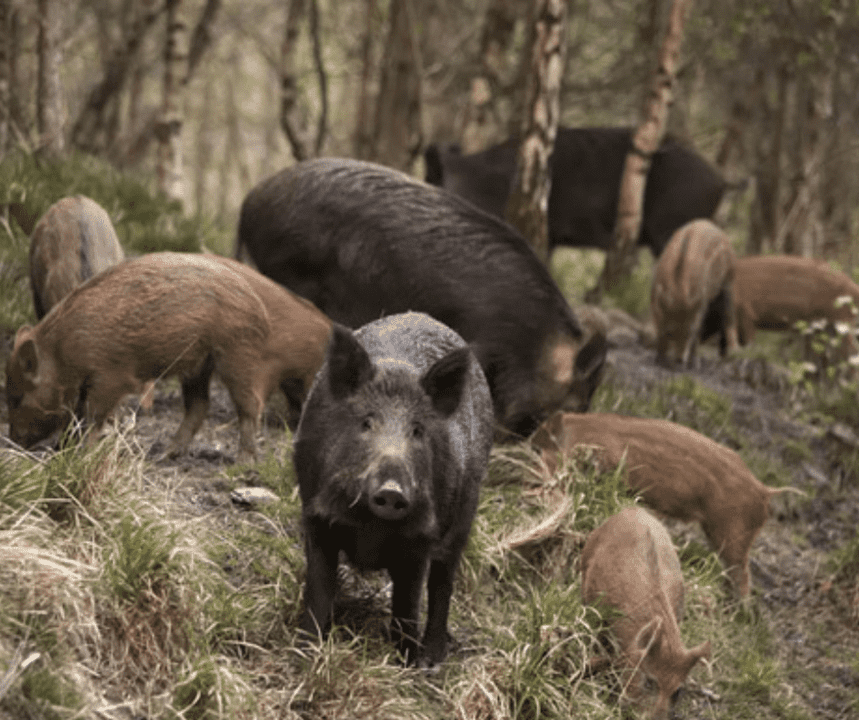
(362, 141)
(645, 142)
(302, 142)
(528, 203)
(49, 94)
(169, 129)
(5, 67)
(397, 134)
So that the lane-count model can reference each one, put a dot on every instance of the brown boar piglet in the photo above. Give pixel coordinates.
(629, 565)
(692, 280)
(680, 473)
(159, 315)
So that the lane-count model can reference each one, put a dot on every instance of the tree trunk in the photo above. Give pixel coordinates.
(291, 123)
(362, 141)
(482, 126)
(645, 142)
(765, 215)
(528, 204)
(89, 123)
(5, 66)
(289, 106)
(397, 135)
(170, 173)
(49, 94)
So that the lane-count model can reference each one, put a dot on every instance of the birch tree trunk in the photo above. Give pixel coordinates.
(49, 93)
(645, 142)
(169, 166)
(528, 203)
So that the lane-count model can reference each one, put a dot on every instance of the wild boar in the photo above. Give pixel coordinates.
(680, 473)
(160, 315)
(694, 273)
(587, 164)
(389, 455)
(774, 292)
(72, 241)
(362, 241)
(629, 565)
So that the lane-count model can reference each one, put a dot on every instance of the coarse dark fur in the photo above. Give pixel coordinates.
(400, 403)
(362, 241)
(587, 164)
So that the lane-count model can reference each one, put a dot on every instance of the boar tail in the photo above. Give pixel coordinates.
(772, 492)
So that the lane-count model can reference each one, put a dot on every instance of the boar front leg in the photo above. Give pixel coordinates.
(439, 591)
(408, 580)
(321, 550)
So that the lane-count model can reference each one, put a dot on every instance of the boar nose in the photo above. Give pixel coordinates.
(390, 502)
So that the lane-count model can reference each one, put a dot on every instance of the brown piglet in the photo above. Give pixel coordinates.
(72, 241)
(160, 315)
(692, 280)
(680, 473)
(630, 567)
(774, 292)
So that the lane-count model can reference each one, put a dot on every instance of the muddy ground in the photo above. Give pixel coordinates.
(814, 623)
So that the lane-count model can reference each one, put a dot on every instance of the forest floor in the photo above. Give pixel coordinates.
(814, 622)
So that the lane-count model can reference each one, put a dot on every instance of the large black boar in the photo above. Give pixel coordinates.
(586, 168)
(389, 454)
(361, 241)
(72, 241)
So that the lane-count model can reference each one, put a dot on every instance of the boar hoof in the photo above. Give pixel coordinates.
(389, 502)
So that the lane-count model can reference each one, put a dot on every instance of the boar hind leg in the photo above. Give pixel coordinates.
(195, 394)
(732, 545)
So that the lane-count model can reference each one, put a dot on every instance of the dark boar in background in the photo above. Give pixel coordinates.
(362, 241)
(389, 456)
(72, 241)
(587, 164)
(161, 314)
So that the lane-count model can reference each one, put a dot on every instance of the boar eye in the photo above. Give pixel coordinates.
(417, 431)
(367, 422)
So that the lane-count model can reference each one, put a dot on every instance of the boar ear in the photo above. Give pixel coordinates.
(349, 366)
(28, 356)
(445, 380)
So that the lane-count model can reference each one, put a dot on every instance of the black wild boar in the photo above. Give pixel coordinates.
(586, 168)
(163, 314)
(362, 241)
(72, 241)
(389, 454)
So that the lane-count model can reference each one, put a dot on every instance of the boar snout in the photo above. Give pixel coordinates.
(390, 501)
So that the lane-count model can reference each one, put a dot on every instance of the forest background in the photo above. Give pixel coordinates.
(204, 98)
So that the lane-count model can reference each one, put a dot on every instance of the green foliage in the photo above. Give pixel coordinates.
(48, 694)
(142, 558)
(680, 398)
(144, 220)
